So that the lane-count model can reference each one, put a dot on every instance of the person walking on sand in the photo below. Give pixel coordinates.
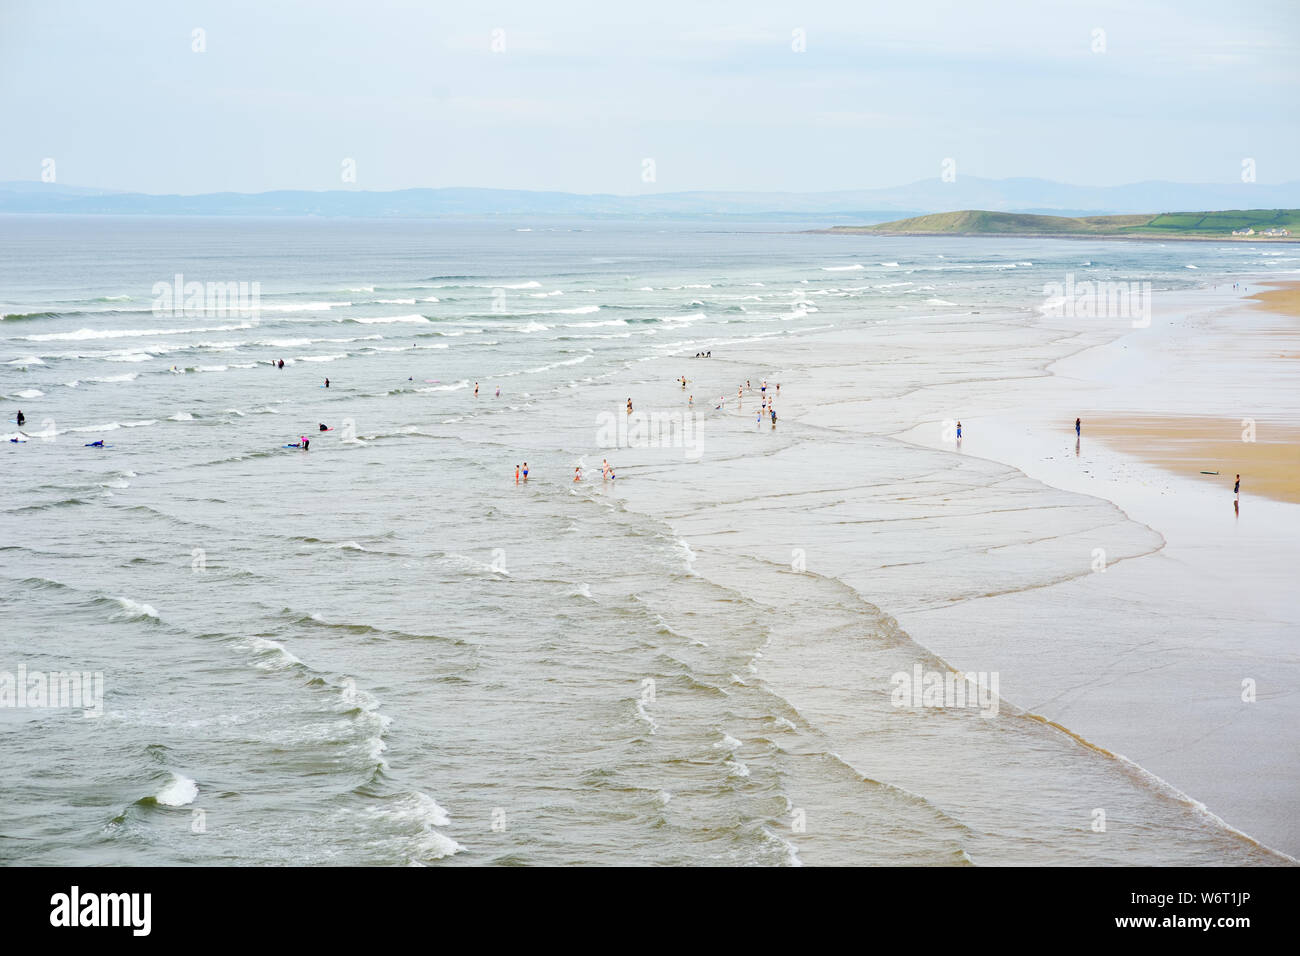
(1236, 487)
(1078, 428)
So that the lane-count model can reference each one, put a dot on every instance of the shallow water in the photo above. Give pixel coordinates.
(385, 651)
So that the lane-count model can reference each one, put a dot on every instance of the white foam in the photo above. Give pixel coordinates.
(180, 792)
(387, 319)
(134, 609)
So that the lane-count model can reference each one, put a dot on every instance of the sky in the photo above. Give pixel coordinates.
(577, 96)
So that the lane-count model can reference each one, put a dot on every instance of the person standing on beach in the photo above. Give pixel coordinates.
(1078, 428)
(1236, 487)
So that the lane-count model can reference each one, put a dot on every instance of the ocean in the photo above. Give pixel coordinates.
(385, 650)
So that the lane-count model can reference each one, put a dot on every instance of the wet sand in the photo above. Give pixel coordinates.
(1122, 603)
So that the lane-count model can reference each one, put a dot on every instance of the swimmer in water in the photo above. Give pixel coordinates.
(516, 474)
(690, 401)
(498, 391)
(476, 389)
(577, 473)
(96, 444)
(629, 406)
(324, 427)
(604, 468)
(327, 383)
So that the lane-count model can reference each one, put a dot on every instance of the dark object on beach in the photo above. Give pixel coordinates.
(1209, 472)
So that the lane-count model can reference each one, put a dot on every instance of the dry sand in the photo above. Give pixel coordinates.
(1284, 299)
(1268, 461)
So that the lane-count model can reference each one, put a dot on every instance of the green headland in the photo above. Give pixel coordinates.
(1247, 224)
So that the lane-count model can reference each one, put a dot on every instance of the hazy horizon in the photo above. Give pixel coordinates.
(577, 100)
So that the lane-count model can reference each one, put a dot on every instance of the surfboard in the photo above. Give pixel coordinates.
(93, 445)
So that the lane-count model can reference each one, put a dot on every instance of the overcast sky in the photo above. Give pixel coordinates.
(584, 92)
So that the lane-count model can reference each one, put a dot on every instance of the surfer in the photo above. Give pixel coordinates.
(96, 444)
(327, 383)
(305, 441)
(21, 419)
(323, 427)
(281, 363)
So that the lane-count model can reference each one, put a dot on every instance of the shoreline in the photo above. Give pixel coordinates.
(1061, 669)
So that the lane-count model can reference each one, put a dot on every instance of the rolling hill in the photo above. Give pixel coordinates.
(1168, 225)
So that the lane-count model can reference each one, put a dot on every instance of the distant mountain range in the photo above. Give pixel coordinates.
(863, 206)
